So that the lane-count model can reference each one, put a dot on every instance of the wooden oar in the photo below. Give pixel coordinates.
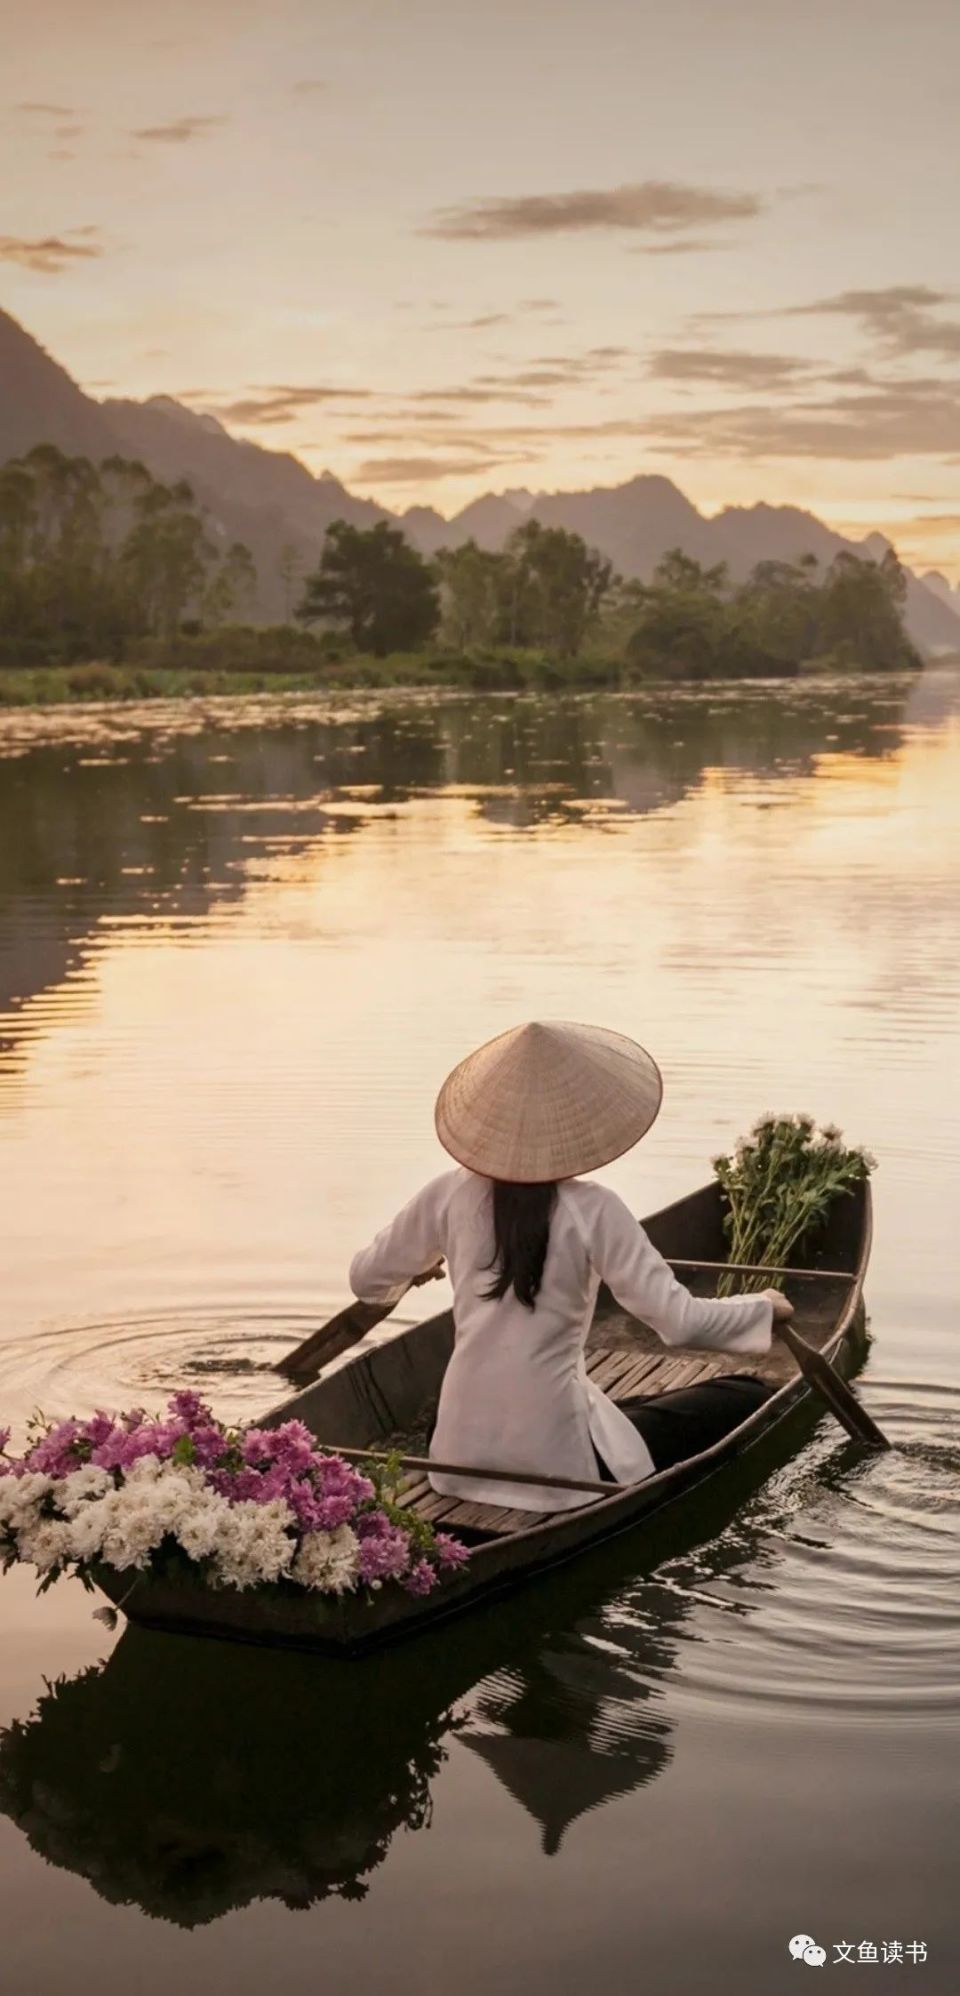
(345, 1329)
(834, 1391)
(764, 1268)
(478, 1472)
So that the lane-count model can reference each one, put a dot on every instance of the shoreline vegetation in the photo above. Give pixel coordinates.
(99, 681)
(115, 586)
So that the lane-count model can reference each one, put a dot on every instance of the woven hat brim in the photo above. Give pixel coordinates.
(549, 1100)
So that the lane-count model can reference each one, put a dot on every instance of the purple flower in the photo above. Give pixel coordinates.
(336, 1511)
(294, 1444)
(306, 1506)
(358, 1488)
(335, 1474)
(276, 1481)
(450, 1552)
(259, 1445)
(126, 1445)
(190, 1409)
(115, 1452)
(385, 1556)
(372, 1524)
(238, 1485)
(421, 1579)
(208, 1445)
(54, 1455)
(159, 1437)
(98, 1429)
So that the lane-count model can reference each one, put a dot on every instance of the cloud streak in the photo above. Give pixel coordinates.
(278, 403)
(478, 395)
(892, 420)
(558, 370)
(49, 255)
(905, 420)
(411, 470)
(900, 318)
(179, 132)
(654, 207)
(684, 246)
(752, 371)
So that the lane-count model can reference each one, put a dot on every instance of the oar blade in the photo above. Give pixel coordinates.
(849, 1411)
(302, 1365)
(834, 1391)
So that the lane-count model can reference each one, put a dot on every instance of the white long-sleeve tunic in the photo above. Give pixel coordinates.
(516, 1393)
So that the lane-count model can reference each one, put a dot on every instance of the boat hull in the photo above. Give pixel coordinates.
(378, 1392)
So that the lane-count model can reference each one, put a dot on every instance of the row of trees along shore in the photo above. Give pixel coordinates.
(105, 562)
(96, 557)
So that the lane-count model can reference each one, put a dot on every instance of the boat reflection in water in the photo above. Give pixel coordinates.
(191, 1778)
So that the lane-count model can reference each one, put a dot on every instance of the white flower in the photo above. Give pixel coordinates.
(143, 1469)
(328, 1560)
(150, 1505)
(199, 1531)
(89, 1528)
(125, 1525)
(129, 1540)
(45, 1544)
(21, 1498)
(80, 1487)
(253, 1543)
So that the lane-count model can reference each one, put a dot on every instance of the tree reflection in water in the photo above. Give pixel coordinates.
(164, 813)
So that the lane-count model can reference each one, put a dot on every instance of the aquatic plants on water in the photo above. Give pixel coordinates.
(780, 1186)
(239, 1508)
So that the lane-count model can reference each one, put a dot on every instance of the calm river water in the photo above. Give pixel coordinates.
(240, 946)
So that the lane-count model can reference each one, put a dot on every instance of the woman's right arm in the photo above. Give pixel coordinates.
(645, 1285)
(407, 1249)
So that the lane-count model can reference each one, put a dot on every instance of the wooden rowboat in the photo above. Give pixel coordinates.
(384, 1397)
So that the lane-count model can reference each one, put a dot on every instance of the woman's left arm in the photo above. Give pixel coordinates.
(645, 1285)
(405, 1250)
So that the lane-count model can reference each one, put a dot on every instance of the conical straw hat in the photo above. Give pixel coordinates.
(548, 1100)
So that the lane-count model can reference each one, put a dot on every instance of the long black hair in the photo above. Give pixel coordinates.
(521, 1232)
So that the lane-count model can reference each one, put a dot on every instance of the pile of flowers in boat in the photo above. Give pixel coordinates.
(237, 1508)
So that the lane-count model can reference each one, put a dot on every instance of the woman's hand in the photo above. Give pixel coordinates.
(782, 1307)
(429, 1275)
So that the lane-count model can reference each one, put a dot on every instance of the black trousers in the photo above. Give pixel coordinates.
(680, 1424)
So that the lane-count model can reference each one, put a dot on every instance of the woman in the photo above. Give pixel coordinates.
(527, 1243)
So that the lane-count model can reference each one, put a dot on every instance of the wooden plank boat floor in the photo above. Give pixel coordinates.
(455, 1514)
(613, 1332)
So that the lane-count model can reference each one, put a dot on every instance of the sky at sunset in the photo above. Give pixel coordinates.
(445, 248)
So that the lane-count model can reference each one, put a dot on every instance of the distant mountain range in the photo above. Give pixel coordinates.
(271, 501)
(940, 587)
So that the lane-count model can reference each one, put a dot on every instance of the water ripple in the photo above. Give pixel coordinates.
(835, 1594)
(227, 1353)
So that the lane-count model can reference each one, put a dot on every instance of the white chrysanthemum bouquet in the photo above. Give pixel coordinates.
(780, 1186)
(264, 1506)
